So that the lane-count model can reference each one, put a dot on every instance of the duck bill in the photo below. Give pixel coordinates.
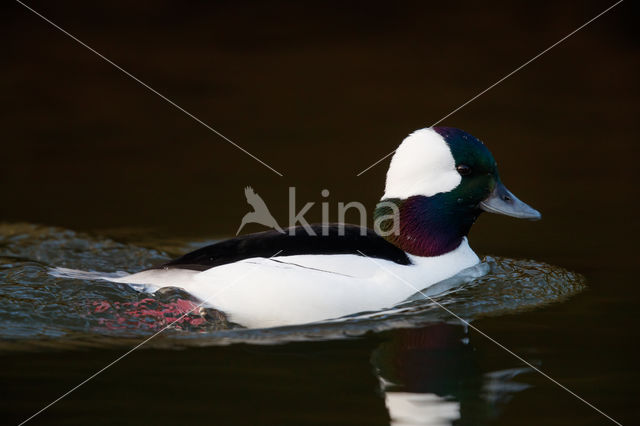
(502, 201)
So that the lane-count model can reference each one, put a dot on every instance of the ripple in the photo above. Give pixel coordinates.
(41, 311)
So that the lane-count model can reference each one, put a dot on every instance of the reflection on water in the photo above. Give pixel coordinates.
(426, 367)
(322, 92)
(430, 376)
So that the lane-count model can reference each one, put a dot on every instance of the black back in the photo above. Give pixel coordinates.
(267, 244)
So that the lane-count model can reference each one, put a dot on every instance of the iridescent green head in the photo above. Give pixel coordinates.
(441, 179)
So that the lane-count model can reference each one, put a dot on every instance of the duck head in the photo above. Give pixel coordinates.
(440, 180)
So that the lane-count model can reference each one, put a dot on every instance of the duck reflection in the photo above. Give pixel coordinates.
(431, 376)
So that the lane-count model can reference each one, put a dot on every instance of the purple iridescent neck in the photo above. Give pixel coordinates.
(426, 226)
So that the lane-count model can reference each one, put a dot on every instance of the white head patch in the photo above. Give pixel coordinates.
(422, 165)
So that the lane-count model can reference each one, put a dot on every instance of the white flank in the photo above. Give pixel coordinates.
(299, 289)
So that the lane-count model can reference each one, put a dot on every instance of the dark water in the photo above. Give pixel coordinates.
(418, 350)
(120, 180)
(66, 306)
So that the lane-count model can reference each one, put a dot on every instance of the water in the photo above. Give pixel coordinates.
(43, 304)
(44, 308)
(319, 91)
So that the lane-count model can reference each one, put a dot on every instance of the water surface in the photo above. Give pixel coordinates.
(52, 300)
(120, 180)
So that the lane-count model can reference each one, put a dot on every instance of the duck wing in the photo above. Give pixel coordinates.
(294, 241)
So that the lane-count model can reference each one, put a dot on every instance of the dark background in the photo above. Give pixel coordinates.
(319, 91)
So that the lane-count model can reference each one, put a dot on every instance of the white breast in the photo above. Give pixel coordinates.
(284, 290)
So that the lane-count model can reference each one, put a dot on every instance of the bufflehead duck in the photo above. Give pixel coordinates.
(439, 181)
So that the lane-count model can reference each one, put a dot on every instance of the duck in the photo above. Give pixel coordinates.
(439, 181)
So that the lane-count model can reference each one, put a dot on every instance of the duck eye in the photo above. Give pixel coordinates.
(463, 169)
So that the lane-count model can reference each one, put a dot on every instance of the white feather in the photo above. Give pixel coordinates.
(284, 290)
(422, 165)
